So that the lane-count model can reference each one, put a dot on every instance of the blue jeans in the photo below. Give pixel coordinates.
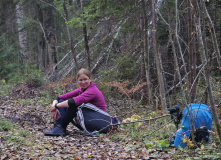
(67, 114)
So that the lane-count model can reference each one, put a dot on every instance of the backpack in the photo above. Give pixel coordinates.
(92, 120)
(202, 118)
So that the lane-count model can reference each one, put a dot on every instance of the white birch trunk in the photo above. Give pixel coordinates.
(21, 33)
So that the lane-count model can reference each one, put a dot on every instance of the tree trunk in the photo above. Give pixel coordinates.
(158, 60)
(146, 53)
(50, 34)
(22, 34)
(179, 46)
(41, 40)
(174, 53)
(177, 69)
(213, 35)
(207, 77)
(178, 42)
(69, 35)
(85, 37)
(192, 52)
(142, 66)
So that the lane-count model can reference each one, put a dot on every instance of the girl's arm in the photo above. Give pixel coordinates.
(55, 105)
(69, 95)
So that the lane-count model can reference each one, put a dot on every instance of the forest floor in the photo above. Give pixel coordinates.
(21, 137)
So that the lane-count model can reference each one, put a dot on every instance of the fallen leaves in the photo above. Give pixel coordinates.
(184, 139)
(37, 146)
(35, 119)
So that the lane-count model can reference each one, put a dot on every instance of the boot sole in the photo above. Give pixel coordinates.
(55, 135)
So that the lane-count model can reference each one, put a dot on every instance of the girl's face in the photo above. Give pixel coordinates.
(84, 81)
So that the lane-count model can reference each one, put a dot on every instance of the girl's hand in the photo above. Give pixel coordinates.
(54, 112)
(53, 108)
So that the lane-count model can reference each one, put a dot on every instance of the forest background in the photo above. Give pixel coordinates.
(145, 55)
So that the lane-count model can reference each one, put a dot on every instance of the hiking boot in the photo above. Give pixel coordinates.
(56, 131)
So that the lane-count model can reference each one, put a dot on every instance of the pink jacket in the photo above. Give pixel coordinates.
(91, 95)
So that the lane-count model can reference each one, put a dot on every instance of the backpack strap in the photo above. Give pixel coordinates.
(93, 107)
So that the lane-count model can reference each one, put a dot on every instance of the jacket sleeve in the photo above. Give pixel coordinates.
(71, 102)
(69, 95)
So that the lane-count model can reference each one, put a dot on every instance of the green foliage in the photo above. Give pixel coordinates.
(23, 133)
(116, 7)
(35, 77)
(29, 75)
(59, 6)
(171, 3)
(148, 143)
(5, 88)
(12, 71)
(161, 143)
(108, 75)
(75, 17)
(77, 21)
(126, 69)
(156, 145)
(8, 58)
(162, 32)
(96, 9)
(29, 102)
(120, 9)
(129, 28)
(51, 92)
(17, 135)
(46, 96)
(167, 10)
(6, 126)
